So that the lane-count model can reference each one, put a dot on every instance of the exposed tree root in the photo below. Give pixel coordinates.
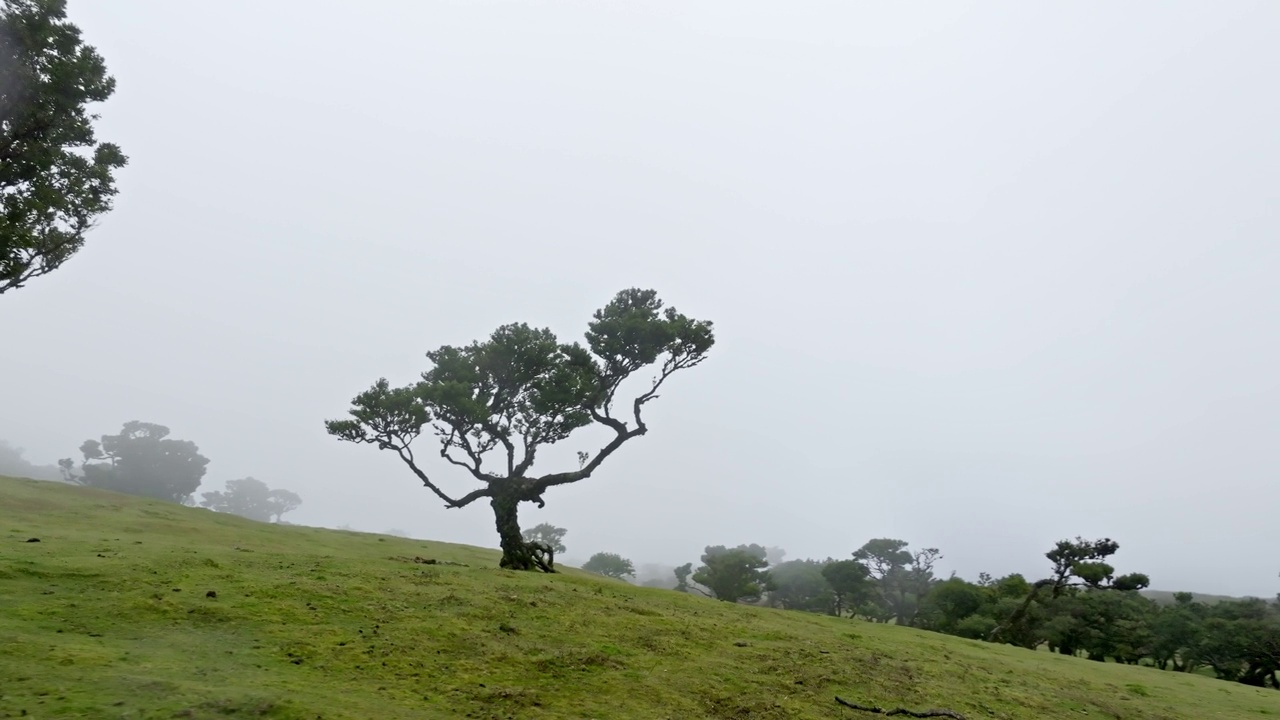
(529, 556)
(937, 712)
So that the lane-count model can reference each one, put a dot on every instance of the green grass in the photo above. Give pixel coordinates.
(107, 617)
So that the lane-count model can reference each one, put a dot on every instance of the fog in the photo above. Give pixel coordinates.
(984, 275)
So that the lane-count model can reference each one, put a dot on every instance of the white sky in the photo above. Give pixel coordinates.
(985, 275)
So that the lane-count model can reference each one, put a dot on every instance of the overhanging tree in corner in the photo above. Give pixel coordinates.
(56, 178)
(492, 405)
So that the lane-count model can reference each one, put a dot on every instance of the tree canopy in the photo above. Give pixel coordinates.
(251, 498)
(801, 585)
(610, 565)
(734, 574)
(902, 577)
(548, 534)
(141, 460)
(1076, 563)
(851, 585)
(493, 405)
(56, 178)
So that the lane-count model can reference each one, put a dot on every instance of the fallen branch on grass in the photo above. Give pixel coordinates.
(901, 711)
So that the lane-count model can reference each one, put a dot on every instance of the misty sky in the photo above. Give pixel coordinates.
(985, 275)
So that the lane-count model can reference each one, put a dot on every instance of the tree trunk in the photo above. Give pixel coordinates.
(516, 553)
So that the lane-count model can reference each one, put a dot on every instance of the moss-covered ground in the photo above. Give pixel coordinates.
(130, 608)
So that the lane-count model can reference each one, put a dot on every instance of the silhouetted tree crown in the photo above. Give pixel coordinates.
(141, 460)
(548, 534)
(734, 574)
(610, 565)
(850, 583)
(251, 498)
(494, 404)
(902, 577)
(682, 574)
(55, 177)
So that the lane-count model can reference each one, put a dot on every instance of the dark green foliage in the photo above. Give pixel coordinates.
(1101, 625)
(851, 585)
(801, 585)
(734, 574)
(55, 177)
(1076, 563)
(1083, 562)
(141, 460)
(950, 602)
(1176, 629)
(682, 574)
(902, 578)
(492, 405)
(252, 499)
(610, 565)
(547, 533)
(1239, 640)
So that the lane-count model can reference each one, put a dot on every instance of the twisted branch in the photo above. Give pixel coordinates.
(937, 712)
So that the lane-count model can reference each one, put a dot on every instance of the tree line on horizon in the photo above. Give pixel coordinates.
(143, 460)
(1081, 608)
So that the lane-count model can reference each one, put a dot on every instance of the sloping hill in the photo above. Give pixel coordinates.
(108, 617)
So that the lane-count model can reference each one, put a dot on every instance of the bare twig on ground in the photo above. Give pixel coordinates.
(937, 712)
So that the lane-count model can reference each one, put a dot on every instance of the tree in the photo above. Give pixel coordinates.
(800, 585)
(851, 584)
(949, 603)
(141, 460)
(1176, 629)
(682, 574)
(734, 574)
(610, 565)
(521, 391)
(548, 534)
(55, 177)
(903, 577)
(252, 499)
(1240, 641)
(1076, 563)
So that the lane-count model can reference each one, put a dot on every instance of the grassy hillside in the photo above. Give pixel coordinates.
(109, 616)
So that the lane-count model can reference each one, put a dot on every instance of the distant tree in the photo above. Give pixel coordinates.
(902, 576)
(1076, 563)
(396, 532)
(734, 574)
(800, 585)
(548, 534)
(1240, 641)
(1176, 629)
(523, 390)
(610, 565)
(949, 603)
(12, 464)
(850, 583)
(141, 460)
(682, 577)
(252, 499)
(55, 177)
(1101, 625)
